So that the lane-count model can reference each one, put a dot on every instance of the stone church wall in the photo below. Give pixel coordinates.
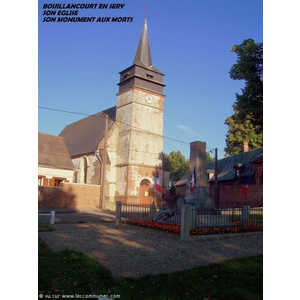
(111, 170)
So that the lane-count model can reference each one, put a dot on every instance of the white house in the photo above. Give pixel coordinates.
(54, 161)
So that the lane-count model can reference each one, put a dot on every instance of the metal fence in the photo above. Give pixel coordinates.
(155, 213)
(229, 218)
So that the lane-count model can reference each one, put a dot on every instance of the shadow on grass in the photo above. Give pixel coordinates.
(70, 272)
(44, 227)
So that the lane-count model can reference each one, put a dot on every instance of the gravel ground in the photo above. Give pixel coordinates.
(130, 251)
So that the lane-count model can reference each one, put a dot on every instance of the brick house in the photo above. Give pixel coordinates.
(231, 173)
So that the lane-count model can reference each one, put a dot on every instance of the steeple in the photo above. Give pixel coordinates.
(142, 74)
(140, 110)
(143, 53)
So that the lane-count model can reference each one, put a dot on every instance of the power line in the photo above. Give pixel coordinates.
(69, 112)
(103, 116)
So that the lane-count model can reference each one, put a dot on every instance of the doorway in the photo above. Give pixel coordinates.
(145, 192)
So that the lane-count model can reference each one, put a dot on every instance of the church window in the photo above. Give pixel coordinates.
(125, 76)
(149, 75)
(83, 170)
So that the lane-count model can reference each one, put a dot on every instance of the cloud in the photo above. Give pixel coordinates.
(188, 130)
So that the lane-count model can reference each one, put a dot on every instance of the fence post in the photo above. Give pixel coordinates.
(52, 219)
(152, 211)
(245, 216)
(118, 212)
(193, 217)
(186, 216)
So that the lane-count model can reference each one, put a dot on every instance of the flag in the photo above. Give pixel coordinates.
(245, 186)
(158, 185)
(193, 181)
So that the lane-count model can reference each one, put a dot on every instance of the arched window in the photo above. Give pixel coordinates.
(83, 169)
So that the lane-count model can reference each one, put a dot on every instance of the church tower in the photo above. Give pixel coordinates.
(140, 115)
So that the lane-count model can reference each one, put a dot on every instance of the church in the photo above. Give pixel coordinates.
(121, 148)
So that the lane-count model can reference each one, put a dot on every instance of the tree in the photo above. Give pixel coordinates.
(247, 121)
(208, 157)
(178, 166)
(239, 132)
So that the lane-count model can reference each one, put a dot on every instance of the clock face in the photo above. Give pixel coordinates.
(149, 99)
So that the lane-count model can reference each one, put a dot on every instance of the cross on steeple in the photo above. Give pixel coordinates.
(146, 10)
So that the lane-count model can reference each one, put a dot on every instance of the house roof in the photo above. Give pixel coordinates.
(52, 152)
(186, 177)
(85, 135)
(258, 159)
(227, 166)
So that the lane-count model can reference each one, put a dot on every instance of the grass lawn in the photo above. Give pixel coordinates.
(45, 227)
(254, 218)
(70, 272)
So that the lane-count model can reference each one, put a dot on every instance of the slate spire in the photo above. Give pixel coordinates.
(142, 73)
(143, 53)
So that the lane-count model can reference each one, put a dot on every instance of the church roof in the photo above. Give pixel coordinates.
(85, 135)
(143, 53)
(52, 152)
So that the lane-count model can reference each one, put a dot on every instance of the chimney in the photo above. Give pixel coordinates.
(245, 146)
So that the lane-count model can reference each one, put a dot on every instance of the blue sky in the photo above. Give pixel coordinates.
(78, 63)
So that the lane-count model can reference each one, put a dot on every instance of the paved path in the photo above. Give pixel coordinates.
(73, 216)
(131, 251)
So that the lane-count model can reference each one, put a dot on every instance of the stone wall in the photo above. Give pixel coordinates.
(69, 195)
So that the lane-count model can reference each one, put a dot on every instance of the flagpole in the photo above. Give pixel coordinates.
(193, 195)
(216, 180)
(246, 184)
(194, 185)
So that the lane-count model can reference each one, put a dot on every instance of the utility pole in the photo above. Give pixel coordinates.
(104, 164)
(216, 179)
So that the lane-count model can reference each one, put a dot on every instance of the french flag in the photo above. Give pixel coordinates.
(193, 181)
(157, 184)
(245, 186)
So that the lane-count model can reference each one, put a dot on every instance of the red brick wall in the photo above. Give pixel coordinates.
(259, 172)
(231, 195)
(69, 195)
